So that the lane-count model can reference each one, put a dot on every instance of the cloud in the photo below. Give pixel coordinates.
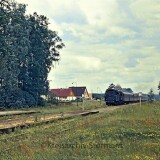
(148, 11)
(107, 41)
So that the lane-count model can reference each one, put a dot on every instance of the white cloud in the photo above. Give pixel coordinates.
(106, 41)
(148, 11)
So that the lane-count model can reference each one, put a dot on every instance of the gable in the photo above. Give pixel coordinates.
(79, 91)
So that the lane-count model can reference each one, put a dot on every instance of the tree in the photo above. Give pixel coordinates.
(5, 54)
(159, 88)
(43, 50)
(111, 86)
(118, 87)
(13, 48)
(128, 90)
(27, 52)
(151, 95)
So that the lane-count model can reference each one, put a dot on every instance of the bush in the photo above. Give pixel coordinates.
(41, 101)
(19, 98)
(52, 99)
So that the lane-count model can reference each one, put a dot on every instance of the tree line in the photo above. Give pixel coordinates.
(28, 49)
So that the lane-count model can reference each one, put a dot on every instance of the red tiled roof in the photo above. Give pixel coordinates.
(62, 92)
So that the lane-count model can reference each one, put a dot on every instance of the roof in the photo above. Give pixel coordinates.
(78, 91)
(62, 92)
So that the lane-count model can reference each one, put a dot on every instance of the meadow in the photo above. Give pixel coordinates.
(129, 132)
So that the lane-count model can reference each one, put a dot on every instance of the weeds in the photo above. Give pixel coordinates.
(129, 132)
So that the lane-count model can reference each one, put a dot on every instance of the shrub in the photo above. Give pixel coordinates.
(19, 98)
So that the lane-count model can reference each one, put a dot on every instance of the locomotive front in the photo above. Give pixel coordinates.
(113, 97)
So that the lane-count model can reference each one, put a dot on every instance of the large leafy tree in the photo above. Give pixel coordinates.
(18, 44)
(15, 43)
(27, 51)
(43, 50)
(5, 56)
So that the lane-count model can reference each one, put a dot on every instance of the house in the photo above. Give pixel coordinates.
(63, 94)
(71, 93)
(80, 92)
(90, 96)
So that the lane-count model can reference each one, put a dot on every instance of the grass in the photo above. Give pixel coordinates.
(129, 133)
(87, 105)
(56, 109)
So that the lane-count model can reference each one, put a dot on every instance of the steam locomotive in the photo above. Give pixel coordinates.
(115, 96)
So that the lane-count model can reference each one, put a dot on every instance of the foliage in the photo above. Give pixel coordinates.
(151, 95)
(52, 99)
(18, 98)
(118, 87)
(111, 86)
(128, 90)
(27, 52)
(159, 87)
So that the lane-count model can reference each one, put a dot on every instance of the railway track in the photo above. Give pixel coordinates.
(11, 113)
(57, 130)
(53, 130)
(11, 124)
(7, 126)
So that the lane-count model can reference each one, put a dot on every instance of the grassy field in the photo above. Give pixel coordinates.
(129, 133)
(56, 109)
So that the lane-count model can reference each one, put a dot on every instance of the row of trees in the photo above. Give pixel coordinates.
(152, 95)
(27, 52)
(118, 87)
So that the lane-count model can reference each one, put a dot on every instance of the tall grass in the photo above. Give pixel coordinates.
(129, 133)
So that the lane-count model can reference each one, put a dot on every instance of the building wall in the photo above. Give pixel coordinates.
(64, 98)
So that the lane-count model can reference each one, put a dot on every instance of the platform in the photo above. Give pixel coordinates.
(9, 113)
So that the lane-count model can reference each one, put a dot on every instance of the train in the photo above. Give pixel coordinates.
(114, 96)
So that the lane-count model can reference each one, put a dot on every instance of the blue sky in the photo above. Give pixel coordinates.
(107, 41)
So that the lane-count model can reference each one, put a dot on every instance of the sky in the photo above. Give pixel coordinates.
(107, 41)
